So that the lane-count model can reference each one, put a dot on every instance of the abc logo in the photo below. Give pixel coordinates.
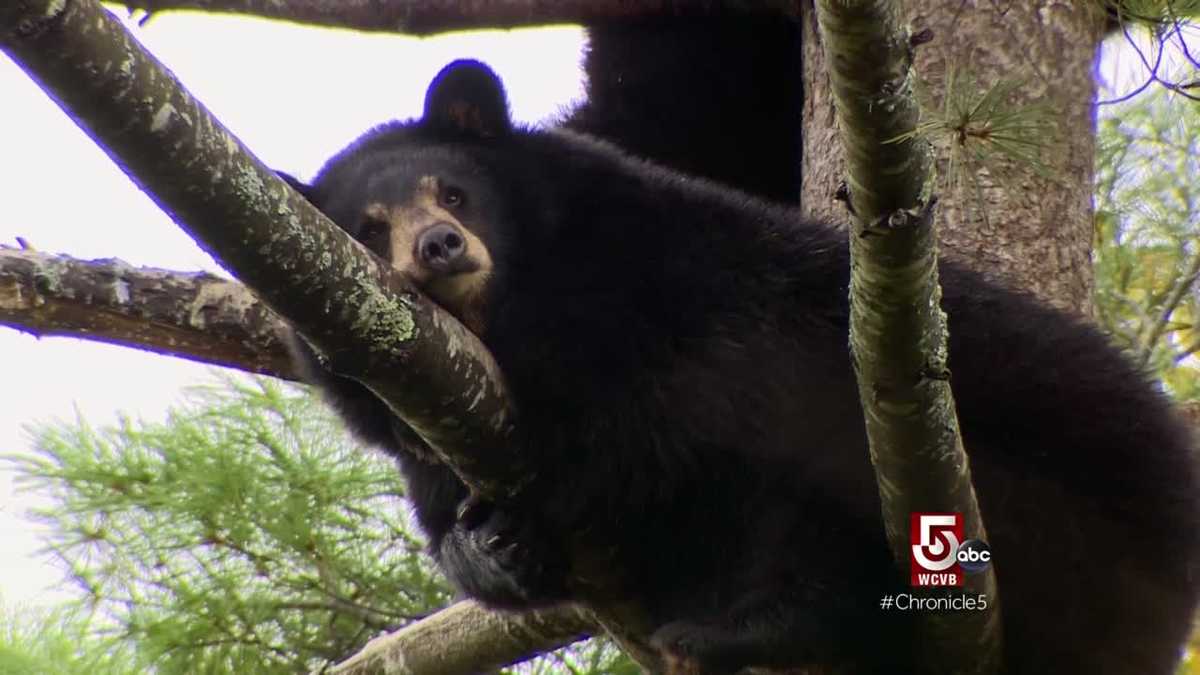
(974, 556)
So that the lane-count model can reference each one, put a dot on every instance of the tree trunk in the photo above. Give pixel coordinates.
(1026, 230)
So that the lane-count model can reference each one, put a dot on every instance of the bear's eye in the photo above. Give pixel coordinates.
(452, 197)
(373, 233)
(371, 228)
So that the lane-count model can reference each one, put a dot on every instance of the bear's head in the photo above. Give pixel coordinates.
(417, 194)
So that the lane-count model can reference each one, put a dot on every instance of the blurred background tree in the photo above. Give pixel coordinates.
(246, 534)
(1147, 251)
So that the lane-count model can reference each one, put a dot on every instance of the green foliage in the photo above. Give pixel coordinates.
(60, 642)
(1191, 659)
(985, 130)
(985, 122)
(1147, 224)
(243, 535)
(593, 657)
(1154, 13)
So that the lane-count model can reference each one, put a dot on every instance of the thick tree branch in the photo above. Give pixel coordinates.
(897, 328)
(423, 17)
(483, 641)
(368, 319)
(190, 315)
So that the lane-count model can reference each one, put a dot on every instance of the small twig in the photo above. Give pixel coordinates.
(1178, 292)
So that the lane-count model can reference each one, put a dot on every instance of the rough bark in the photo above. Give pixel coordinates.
(482, 641)
(423, 17)
(897, 328)
(191, 315)
(1027, 230)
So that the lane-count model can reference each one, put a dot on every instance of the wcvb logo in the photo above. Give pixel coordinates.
(935, 541)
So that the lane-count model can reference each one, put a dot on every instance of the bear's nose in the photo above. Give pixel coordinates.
(440, 246)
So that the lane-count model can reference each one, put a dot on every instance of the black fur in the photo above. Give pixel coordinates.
(718, 97)
(677, 352)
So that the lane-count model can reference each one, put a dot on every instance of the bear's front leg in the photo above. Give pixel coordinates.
(502, 559)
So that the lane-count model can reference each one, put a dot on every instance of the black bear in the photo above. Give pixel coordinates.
(677, 355)
(714, 96)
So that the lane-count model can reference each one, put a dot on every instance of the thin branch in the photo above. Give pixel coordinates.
(1182, 286)
(897, 329)
(191, 315)
(483, 641)
(1162, 39)
(1187, 351)
(423, 17)
(1177, 29)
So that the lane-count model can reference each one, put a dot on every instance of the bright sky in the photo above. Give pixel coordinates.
(295, 95)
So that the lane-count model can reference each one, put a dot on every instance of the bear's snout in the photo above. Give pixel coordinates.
(442, 248)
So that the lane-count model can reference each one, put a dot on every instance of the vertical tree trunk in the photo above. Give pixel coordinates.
(1027, 230)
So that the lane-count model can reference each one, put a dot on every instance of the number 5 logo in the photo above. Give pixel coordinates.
(935, 538)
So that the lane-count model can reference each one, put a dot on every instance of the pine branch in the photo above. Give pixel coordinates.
(897, 328)
(1182, 286)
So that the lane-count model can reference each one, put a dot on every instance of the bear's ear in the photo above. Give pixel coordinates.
(466, 97)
